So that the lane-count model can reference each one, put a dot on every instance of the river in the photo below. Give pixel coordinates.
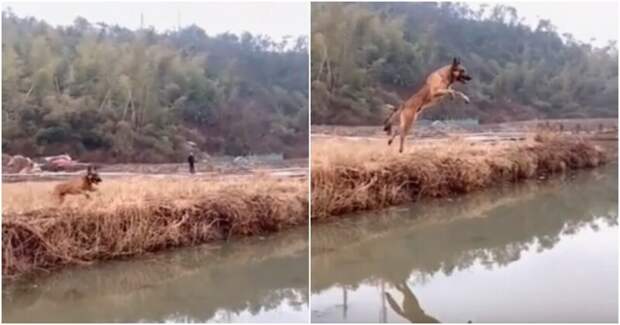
(245, 280)
(541, 251)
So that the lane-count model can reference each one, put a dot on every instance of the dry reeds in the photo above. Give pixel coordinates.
(134, 216)
(350, 176)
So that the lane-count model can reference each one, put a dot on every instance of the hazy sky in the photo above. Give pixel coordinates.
(270, 18)
(584, 20)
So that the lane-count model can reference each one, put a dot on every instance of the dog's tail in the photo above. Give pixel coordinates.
(387, 124)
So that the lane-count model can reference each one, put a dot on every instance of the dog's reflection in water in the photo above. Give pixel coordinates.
(411, 309)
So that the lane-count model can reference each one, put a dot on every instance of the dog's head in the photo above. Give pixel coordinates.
(92, 176)
(458, 71)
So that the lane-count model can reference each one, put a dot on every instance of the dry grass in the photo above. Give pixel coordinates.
(350, 176)
(134, 216)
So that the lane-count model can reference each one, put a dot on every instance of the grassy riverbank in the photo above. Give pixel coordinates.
(363, 174)
(134, 216)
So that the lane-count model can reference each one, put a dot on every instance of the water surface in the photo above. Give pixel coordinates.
(246, 280)
(535, 252)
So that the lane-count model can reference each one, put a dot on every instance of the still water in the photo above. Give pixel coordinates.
(536, 252)
(248, 280)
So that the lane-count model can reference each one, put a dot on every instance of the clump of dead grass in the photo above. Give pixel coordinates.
(350, 176)
(134, 216)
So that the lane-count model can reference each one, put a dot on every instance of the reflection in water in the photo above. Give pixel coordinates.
(546, 240)
(249, 279)
(410, 309)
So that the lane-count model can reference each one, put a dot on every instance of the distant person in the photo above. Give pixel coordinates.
(190, 161)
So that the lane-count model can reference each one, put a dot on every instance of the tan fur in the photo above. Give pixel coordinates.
(438, 86)
(82, 185)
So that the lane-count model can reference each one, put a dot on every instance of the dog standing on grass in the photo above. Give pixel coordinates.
(77, 186)
(438, 86)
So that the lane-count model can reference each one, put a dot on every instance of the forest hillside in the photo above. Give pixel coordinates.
(366, 55)
(111, 94)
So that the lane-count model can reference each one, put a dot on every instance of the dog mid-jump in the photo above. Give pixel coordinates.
(81, 185)
(438, 86)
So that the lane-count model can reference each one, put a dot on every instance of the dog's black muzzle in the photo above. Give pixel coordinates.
(464, 78)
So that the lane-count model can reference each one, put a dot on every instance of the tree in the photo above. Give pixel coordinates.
(108, 93)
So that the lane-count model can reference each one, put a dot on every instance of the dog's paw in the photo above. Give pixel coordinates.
(389, 107)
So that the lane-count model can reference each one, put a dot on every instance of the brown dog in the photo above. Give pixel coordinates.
(81, 185)
(437, 87)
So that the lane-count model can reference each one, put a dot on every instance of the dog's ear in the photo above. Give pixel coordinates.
(455, 62)
(89, 169)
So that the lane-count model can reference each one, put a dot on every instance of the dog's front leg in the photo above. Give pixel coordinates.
(462, 95)
(457, 93)
(443, 92)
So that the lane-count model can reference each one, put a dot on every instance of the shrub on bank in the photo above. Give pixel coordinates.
(352, 176)
(134, 217)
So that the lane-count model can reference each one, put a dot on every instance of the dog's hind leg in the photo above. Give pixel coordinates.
(393, 135)
(405, 125)
(389, 125)
(402, 142)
